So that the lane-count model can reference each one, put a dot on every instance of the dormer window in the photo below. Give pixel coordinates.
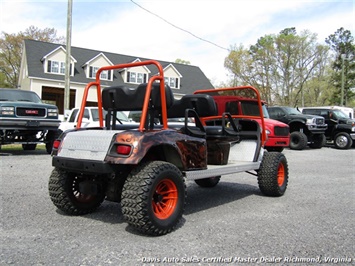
(56, 67)
(105, 75)
(172, 82)
(136, 77)
(172, 77)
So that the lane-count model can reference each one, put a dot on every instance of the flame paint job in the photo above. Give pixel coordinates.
(192, 151)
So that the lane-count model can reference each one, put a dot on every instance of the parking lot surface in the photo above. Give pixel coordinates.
(233, 223)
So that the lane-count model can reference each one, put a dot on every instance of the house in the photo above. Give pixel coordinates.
(43, 71)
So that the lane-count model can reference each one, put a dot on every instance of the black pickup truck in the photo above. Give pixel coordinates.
(304, 129)
(25, 120)
(341, 128)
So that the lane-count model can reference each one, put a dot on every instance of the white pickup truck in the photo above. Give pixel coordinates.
(90, 118)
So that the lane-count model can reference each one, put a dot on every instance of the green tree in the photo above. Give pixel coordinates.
(11, 51)
(181, 61)
(342, 44)
(280, 66)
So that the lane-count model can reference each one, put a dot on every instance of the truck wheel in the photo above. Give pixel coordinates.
(273, 174)
(153, 198)
(66, 192)
(29, 147)
(343, 141)
(318, 141)
(208, 182)
(298, 140)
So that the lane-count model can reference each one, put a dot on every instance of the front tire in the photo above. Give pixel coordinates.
(298, 140)
(343, 141)
(273, 174)
(153, 198)
(65, 192)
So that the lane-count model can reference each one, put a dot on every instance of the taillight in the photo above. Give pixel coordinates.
(56, 144)
(123, 149)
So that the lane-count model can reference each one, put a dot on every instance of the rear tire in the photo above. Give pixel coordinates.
(66, 196)
(208, 182)
(298, 140)
(153, 198)
(273, 174)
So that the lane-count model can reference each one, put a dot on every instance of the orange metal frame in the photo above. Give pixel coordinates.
(263, 132)
(158, 77)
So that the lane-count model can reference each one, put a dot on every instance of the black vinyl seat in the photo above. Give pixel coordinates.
(123, 98)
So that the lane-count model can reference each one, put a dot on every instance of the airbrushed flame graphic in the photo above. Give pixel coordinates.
(192, 151)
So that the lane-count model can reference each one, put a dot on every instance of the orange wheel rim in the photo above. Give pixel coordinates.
(280, 174)
(164, 199)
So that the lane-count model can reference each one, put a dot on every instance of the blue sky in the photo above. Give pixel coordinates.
(120, 26)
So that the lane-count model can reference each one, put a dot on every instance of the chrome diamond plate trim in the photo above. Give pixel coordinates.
(243, 151)
(216, 170)
(87, 144)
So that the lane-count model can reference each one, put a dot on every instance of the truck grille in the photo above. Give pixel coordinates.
(319, 121)
(281, 131)
(34, 112)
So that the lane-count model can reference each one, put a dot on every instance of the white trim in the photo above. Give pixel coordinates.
(172, 66)
(97, 56)
(44, 58)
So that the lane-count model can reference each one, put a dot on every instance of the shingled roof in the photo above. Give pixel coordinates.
(192, 76)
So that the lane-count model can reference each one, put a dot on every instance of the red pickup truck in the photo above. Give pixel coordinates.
(278, 133)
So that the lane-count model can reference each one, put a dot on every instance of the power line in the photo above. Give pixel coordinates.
(179, 28)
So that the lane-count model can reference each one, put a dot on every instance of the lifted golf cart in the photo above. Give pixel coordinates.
(145, 166)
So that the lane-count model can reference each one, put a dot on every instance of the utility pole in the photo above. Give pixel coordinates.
(342, 80)
(68, 59)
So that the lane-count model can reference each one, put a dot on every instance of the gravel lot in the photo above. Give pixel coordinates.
(229, 224)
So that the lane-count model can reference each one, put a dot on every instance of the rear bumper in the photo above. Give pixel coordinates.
(82, 166)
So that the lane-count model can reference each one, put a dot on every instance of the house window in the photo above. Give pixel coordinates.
(172, 82)
(132, 77)
(106, 74)
(54, 67)
(137, 78)
(57, 67)
(62, 68)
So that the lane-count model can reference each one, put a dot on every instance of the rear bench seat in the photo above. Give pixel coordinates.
(122, 98)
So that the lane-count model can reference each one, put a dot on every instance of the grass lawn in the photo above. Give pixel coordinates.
(18, 147)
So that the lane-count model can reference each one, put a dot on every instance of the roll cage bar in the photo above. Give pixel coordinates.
(158, 77)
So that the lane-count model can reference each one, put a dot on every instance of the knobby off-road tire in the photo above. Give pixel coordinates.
(65, 195)
(343, 141)
(153, 198)
(298, 140)
(273, 174)
(208, 182)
